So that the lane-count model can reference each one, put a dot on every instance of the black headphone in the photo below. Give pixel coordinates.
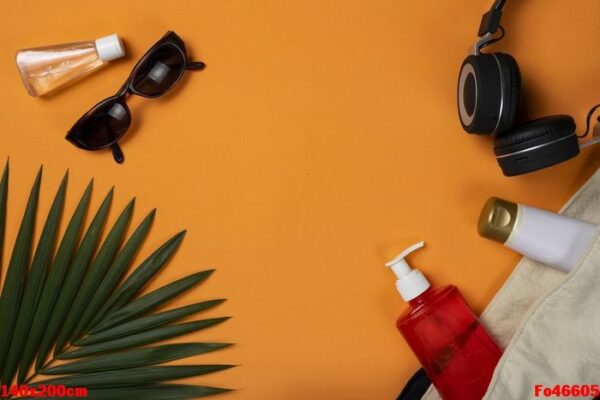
(489, 94)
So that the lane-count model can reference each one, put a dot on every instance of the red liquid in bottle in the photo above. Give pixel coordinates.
(455, 350)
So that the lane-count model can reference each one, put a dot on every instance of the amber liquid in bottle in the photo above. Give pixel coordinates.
(44, 69)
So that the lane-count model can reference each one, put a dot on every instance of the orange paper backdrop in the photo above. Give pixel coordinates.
(321, 138)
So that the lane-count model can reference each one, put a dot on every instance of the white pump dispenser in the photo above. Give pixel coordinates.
(411, 283)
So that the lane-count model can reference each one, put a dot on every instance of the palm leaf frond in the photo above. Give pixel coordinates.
(138, 279)
(14, 283)
(120, 265)
(37, 274)
(73, 280)
(152, 300)
(53, 284)
(134, 376)
(96, 272)
(142, 324)
(140, 339)
(75, 305)
(135, 358)
(3, 201)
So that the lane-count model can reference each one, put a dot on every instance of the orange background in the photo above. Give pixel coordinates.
(321, 139)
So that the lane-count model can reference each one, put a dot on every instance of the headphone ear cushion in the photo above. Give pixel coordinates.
(489, 90)
(511, 89)
(537, 144)
(479, 94)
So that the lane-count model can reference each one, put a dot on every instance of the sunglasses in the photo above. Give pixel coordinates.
(159, 70)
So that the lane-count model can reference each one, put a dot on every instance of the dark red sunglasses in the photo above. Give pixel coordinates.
(155, 74)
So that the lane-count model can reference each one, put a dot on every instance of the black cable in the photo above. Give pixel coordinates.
(587, 121)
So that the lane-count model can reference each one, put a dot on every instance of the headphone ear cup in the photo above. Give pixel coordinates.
(489, 90)
(511, 89)
(537, 144)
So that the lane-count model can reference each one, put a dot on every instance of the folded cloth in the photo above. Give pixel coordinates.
(546, 320)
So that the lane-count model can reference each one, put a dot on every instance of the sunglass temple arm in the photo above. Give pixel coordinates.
(117, 153)
(196, 65)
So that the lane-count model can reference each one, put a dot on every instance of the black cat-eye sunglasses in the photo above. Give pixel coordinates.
(155, 74)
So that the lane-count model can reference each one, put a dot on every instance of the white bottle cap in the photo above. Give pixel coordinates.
(411, 283)
(110, 47)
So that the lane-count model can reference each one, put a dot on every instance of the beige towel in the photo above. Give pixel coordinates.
(554, 316)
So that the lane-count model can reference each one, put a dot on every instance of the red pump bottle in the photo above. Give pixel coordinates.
(457, 353)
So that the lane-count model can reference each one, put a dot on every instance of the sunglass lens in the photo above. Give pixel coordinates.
(102, 126)
(159, 72)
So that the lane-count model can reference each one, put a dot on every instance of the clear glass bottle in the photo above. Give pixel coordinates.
(44, 69)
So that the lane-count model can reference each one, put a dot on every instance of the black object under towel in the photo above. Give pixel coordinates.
(416, 386)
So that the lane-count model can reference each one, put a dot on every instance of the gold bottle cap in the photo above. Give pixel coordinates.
(497, 219)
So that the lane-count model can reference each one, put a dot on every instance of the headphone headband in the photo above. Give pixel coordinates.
(489, 89)
(490, 22)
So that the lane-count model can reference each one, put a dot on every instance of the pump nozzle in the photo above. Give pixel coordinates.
(399, 264)
(411, 282)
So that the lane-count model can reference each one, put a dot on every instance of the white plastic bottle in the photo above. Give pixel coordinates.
(44, 69)
(544, 236)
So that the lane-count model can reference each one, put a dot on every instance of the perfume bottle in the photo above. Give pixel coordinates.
(455, 350)
(44, 69)
(544, 236)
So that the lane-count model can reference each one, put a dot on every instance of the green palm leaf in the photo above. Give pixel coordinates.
(73, 280)
(54, 282)
(115, 273)
(135, 358)
(140, 277)
(148, 322)
(3, 201)
(140, 339)
(95, 274)
(37, 274)
(17, 271)
(76, 302)
(152, 300)
(134, 376)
